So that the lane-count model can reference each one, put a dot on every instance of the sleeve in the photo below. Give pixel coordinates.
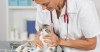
(89, 20)
(38, 18)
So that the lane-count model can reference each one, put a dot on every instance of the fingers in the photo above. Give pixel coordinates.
(49, 45)
(47, 37)
(48, 41)
(53, 40)
(38, 44)
(37, 34)
(34, 44)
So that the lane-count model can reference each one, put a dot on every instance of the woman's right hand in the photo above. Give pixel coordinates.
(37, 42)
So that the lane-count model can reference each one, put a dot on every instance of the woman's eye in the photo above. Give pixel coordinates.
(44, 4)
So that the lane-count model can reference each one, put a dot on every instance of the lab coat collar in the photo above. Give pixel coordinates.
(64, 8)
(63, 11)
(72, 7)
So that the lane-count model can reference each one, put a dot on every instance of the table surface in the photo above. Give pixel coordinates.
(5, 46)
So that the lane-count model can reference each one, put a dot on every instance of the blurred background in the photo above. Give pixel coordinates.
(17, 21)
(18, 14)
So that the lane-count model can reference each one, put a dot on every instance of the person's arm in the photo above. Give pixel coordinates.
(85, 44)
(37, 34)
(37, 42)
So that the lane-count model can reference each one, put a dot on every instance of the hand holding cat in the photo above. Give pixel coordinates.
(37, 41)
(53, 40)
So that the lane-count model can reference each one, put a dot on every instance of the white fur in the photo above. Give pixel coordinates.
(19, 48)
(23, 48)
(45, 48)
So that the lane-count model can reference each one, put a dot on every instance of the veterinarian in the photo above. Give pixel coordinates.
(75, 23)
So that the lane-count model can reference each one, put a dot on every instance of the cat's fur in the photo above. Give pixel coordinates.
(44, 30)
(25, 47)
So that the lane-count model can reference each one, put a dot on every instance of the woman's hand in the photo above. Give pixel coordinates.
(37, 42)
(53, 40)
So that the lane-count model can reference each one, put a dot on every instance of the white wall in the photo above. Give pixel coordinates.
(2, 19)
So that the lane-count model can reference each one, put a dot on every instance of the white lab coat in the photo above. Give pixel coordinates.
(83, 22)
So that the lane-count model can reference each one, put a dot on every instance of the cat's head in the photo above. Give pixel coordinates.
(45, 27)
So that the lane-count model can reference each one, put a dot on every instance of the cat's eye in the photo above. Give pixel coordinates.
(40, 29)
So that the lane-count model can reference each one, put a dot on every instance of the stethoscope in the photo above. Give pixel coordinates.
(66, 20)
(66, 17)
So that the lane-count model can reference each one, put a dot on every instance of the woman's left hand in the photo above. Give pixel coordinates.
(53, 39)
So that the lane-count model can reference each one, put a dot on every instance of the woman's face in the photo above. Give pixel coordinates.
(47, 4)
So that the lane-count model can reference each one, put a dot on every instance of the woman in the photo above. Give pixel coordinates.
(76, 24)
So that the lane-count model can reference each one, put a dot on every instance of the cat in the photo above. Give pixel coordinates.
(27, 47)
(44, 29)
